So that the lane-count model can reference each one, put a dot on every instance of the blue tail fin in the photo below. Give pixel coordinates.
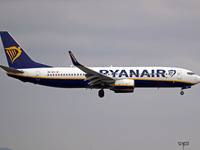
(16, 56)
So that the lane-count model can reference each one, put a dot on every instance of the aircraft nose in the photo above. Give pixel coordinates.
(198, 79)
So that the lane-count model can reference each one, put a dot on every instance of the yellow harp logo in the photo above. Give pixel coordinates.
(13, 52)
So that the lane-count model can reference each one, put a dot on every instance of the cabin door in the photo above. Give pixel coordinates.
(37, 76)
(179, 74)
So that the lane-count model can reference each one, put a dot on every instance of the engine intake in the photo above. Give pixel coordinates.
(123, 86)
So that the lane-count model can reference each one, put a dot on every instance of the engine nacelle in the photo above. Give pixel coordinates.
(123, 86)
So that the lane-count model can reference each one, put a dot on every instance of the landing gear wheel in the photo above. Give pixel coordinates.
(182, 92)
(101, 93)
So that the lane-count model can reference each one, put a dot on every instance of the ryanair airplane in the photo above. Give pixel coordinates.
(118, 79)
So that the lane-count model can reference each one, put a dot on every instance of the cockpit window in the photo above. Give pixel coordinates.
(190, 73)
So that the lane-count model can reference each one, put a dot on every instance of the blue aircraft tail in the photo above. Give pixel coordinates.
(16, 56)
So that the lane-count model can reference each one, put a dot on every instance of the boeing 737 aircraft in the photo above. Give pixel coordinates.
(118, 79)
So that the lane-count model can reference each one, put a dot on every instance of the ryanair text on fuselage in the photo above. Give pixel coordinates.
(138, 73)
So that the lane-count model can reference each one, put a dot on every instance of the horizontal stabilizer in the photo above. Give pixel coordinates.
(11, 70)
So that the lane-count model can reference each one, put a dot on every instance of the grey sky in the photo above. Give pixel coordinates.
(101, 33)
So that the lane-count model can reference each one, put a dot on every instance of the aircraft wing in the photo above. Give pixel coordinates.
(95, 78)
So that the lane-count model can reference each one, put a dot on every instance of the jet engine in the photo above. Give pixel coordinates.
(123, 86)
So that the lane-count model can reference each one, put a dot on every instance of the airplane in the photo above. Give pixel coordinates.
(117, 79)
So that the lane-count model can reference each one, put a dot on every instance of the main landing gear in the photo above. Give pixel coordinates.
(101, 93)
(182, 92)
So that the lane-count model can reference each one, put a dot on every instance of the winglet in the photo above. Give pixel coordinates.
(74, 61)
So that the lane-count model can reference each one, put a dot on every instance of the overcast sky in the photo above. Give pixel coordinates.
(101, 33)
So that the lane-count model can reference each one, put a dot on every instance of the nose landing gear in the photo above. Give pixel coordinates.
(185, 87)
(182, 92)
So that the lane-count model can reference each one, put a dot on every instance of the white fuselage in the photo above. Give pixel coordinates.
(143, 76)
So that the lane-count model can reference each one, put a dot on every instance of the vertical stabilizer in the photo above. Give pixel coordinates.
(16, 56)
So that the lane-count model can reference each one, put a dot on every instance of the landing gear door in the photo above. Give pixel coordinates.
(179, 74)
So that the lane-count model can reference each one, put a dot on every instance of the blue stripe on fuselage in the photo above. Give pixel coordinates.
(80, 83)
(63, 83)
(153, 83)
